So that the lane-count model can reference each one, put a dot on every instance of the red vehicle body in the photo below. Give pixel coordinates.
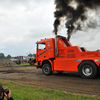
(57, 54)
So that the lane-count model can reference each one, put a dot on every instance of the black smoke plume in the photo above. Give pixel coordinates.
(74, 16)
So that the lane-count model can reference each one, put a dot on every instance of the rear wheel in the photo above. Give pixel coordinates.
(88, 69)
(46, 69)
(31, 63)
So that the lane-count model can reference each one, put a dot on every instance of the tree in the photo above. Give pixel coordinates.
(2, 56)
(30, 55)
(34, 55)
(98, 50)
(9, 56)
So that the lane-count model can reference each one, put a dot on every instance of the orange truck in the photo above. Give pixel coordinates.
(57, 54)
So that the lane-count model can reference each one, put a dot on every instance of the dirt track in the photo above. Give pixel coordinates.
(66, 82)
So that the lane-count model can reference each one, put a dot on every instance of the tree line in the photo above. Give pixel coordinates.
(31, 55)
(2, 56)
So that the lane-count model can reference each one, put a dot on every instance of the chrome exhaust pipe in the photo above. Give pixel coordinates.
(56, 49)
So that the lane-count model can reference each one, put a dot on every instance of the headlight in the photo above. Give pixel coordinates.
(96, 60)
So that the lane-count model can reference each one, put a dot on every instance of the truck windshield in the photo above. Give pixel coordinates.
(41, 46)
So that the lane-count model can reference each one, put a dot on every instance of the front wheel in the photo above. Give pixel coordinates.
(87, 69)
(46, 69)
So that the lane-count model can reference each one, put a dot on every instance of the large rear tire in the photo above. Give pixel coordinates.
(46, 69)
(87, 69)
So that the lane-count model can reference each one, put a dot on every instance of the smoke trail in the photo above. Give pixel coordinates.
(75, 16)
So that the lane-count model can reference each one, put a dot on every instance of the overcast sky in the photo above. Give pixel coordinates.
(24, 22)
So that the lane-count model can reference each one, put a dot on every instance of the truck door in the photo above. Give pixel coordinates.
(41, 51)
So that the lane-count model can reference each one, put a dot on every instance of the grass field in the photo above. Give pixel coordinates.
(20, 92)
(23, 64)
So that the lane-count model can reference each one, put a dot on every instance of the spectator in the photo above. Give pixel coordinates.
(2, 94)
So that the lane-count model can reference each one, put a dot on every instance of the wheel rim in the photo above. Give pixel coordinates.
(46, 69)
(32, 62)
(87, 70)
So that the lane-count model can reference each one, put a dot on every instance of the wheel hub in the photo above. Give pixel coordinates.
(87, 70)
(46, 69)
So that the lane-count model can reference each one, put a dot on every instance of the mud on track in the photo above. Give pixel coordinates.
(69, 82)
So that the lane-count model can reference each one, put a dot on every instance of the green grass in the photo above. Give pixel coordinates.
(24, 64)
(20, 92)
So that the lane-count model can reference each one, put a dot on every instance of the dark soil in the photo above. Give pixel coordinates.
(6, 62)
(68, 82)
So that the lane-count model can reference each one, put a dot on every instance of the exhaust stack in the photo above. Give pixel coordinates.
(56, 49)
(56, 24)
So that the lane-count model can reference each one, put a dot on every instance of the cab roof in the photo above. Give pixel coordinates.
(45, 40)
(49, 39)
